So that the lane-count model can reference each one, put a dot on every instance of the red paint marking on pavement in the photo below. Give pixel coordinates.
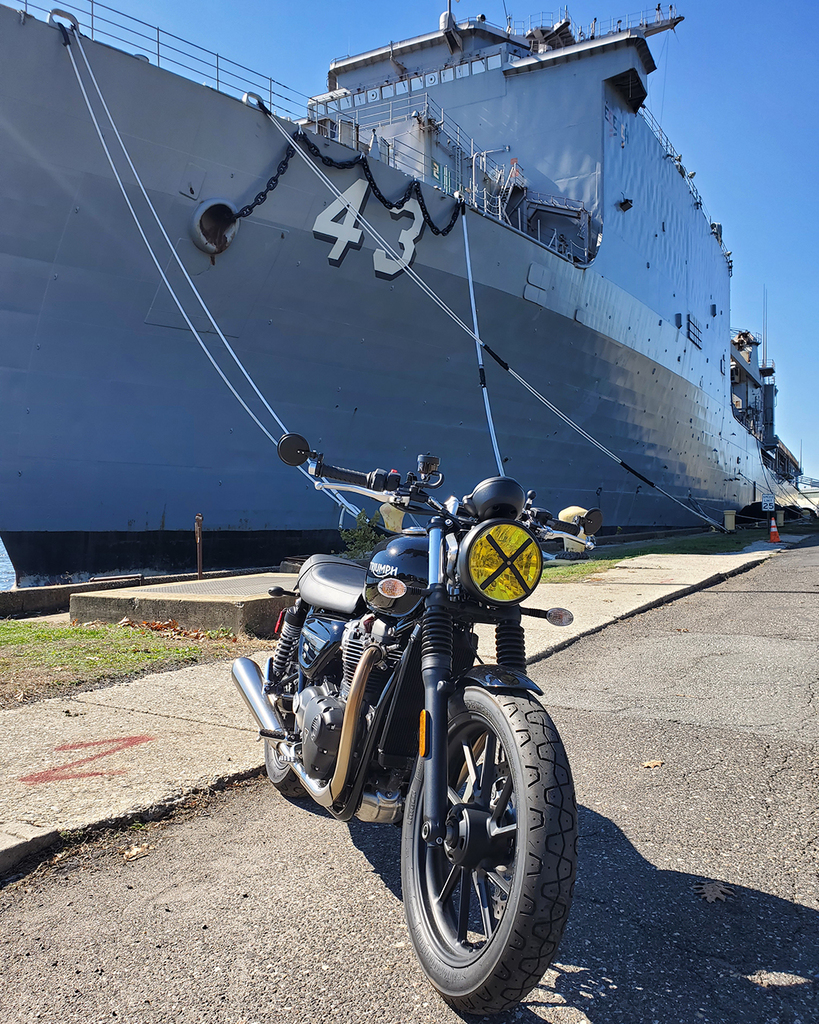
(63, 771)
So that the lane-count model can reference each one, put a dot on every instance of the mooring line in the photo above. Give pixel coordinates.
(331, 492)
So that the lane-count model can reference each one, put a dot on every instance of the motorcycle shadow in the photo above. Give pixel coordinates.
(643, 947)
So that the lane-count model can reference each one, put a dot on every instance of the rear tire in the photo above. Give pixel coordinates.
(282, 775)
(486, 911)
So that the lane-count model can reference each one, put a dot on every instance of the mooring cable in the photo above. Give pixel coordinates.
(479, 355)
(331, 493)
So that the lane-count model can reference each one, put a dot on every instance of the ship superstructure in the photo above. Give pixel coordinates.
(596, 274)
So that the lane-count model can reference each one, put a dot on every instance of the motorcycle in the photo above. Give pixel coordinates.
(375, 704)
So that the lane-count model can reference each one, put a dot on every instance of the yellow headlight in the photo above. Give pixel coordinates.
(500, 562)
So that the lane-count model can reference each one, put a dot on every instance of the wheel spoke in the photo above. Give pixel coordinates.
(471, 768)
(503, 801)
(449, 885)
(483, 900)
(464, 899)
(502, 830)
(502, 883)
(489, 771)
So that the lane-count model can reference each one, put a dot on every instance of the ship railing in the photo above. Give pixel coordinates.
(421, 111)
(672, 154)
(599, 27)
(164, 49)
(556, 202)
(469, 167)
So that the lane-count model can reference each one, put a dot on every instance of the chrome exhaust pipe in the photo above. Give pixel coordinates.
(326, 793)
(248, 679)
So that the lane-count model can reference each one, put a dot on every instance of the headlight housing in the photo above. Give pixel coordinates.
(499, 562)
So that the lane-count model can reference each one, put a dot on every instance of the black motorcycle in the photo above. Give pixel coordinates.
(376, 704)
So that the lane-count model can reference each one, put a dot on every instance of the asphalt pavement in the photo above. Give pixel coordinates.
(691, 729)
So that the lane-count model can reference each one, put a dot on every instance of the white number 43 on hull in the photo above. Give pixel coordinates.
(338, 223)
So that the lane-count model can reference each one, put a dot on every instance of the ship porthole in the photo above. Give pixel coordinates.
(214, 226)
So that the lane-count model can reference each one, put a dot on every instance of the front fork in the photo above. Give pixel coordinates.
(436, 670)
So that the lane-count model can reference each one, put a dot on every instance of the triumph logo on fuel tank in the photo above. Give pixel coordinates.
(377, 569)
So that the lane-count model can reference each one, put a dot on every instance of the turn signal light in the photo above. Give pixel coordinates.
(559, 617)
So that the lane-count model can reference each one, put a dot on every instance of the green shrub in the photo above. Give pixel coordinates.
(363, 537)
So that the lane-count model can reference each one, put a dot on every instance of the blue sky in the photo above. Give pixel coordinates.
(736, 90)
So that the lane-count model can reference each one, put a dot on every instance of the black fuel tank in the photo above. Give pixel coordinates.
(405, 560)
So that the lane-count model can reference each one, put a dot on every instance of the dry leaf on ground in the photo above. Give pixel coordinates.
(713, 891)
(135, 852)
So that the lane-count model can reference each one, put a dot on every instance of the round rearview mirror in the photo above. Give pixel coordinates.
(592, 521)
(293, 449)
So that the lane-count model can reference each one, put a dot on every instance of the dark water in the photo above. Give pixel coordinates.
(6, 570)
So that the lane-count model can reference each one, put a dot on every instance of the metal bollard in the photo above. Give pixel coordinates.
(197, 529)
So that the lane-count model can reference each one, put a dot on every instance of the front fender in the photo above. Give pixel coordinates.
(493, 677)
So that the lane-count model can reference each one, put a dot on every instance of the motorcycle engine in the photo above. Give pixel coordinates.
(319, 708)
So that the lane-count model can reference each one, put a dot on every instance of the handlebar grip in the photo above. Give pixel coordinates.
(344, 476)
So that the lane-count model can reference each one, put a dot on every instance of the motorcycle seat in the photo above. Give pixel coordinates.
(332, 583)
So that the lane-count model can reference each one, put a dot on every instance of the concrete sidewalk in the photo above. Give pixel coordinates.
(134, 749)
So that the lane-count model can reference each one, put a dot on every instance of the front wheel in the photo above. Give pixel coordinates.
(486, 910)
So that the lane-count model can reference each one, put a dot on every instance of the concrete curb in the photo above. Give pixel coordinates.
(19, 841)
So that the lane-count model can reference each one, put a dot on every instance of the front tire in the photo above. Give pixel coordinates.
(486, 911)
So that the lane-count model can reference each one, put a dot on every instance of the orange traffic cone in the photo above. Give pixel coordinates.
(774, 532)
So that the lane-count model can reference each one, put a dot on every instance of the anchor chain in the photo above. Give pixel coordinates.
(271, 184)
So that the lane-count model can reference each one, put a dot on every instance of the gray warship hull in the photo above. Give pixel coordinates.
(116, 429)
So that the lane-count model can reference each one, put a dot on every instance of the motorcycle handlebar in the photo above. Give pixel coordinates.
(345, 476)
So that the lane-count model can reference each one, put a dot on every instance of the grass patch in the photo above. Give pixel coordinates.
(40, 660)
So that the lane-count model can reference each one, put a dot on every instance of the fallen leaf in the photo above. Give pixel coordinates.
(713, 891)
(652, 764)
(136, 852)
